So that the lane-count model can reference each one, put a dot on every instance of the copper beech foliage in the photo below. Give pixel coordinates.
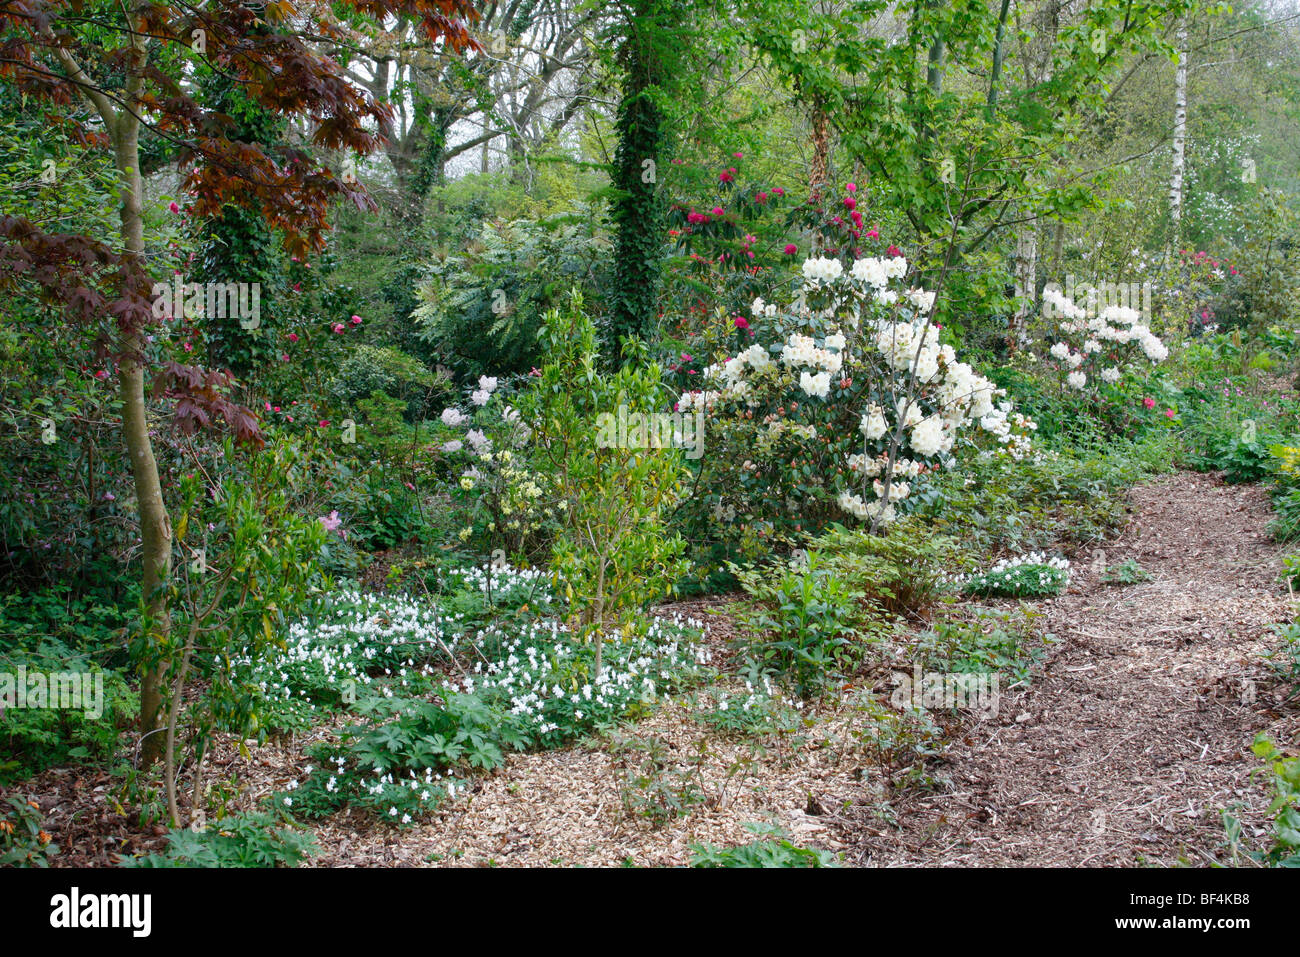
(134, 58)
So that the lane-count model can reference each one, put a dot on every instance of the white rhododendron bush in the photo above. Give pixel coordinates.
(840, 406)
(1093, 352)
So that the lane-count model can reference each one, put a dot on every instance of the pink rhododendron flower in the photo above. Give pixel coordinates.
(791, 249)
(1149, 402)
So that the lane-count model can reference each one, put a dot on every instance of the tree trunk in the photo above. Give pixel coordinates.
(1180, 138)
(996, 75)
(1026, 268)
(819, 173)
(155, 524)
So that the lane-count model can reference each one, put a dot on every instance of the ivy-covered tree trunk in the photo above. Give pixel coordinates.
(637, 212)
(240, 247)
(430, 164)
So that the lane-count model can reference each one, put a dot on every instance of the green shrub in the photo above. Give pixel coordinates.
(1240, 459)
(1285, 659)
(988, 641)
(897, 742)
(369, 369)
(614, 552)
(482, 308)
(1034, 575)
(773, 849)
(1072, 496)
(760, 712)
(802, 623)
(49, 631)
(1284, 849)
(1128, 572)
(255, 839)
(903, 571)
(23, 841)
(652, 785)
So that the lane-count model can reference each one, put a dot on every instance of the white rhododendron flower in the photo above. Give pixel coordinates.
(922, 300)
(874, 424)
(1076, 380)
(927, 437)
(897, 490)
(822, 269)
(818, 385)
